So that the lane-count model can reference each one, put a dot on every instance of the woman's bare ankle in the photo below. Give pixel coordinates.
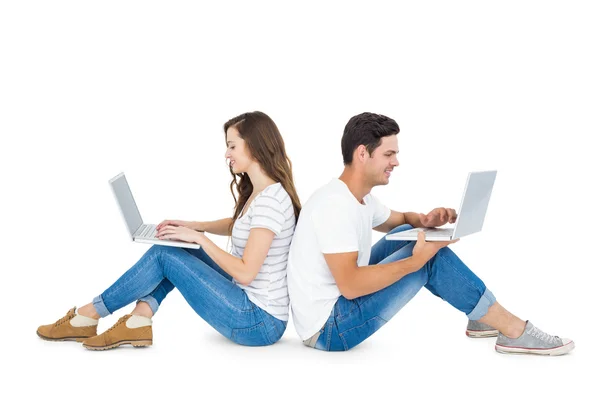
(88, 311)
(143, 309)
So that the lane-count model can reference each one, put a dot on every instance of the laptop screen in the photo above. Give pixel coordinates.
(475, 202)
(132, 216)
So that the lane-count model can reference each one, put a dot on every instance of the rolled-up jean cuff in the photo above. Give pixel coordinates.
(482, 306)
(100, 307)
(151, 301)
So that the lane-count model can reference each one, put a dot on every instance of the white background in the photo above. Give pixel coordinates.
(90, 89)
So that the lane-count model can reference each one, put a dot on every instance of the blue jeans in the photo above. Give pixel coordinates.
(445, 275)
(204, 285)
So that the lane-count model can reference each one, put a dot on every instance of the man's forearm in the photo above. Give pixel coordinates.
(412, 219)
(372, 278)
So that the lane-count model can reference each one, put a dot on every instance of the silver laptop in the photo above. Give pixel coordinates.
(471, 213)
(140, 232)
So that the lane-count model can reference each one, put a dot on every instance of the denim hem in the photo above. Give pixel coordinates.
(486, 300)
(101, 309)
(151, 301)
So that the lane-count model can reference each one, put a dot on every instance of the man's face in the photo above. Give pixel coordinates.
(383, 160)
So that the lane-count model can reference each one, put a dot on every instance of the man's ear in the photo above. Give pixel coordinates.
(362, 153)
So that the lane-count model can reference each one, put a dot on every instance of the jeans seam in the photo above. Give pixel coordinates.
(342, 338)
(259, 314)
(275, 331)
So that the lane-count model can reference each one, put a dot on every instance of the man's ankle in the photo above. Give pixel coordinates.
(515, 330)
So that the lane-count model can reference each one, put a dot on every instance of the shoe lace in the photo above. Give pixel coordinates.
(64, 319)
(538, 333)
(119, 322)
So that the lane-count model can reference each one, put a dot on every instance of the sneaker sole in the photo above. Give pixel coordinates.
(481, 334)
(555, 351)
(134, 343)
(64, 339)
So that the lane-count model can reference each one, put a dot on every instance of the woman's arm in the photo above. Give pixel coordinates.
(244, 269)
(218, 227)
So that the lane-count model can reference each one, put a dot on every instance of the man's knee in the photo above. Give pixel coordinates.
(400, 228)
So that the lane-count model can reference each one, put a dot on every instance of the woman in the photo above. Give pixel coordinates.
(243, 295)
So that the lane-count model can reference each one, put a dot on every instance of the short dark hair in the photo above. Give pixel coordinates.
(367, 129)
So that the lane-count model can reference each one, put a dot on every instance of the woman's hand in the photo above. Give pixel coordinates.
(175, 222)
(182, 233)
(424, 251)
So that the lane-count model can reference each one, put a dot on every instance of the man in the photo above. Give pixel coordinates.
(342, 290)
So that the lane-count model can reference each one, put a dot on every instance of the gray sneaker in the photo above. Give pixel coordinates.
(480, 330)
(534, 341)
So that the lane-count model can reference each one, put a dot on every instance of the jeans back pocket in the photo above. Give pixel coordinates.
(253, 336)
(356, 335)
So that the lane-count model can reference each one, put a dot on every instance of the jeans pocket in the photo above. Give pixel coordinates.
(356, 335)
(253, 336)
(344, 307)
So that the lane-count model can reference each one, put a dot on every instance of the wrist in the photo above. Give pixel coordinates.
(198, 226)
(200, 239)
(417, 262)
(413, 219)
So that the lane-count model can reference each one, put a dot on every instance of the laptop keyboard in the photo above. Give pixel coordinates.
(148, 232)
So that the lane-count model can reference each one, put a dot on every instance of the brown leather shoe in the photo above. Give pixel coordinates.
(120, 334)
(62, 330)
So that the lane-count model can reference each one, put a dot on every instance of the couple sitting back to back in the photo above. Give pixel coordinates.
(319, 260)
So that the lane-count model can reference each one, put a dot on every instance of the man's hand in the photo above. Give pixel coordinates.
(438, 217)
(423, 251)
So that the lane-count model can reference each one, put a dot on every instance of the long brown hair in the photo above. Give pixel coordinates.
(266, 146)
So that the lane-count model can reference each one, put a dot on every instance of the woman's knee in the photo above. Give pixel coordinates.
(158, 248)
(160, 252)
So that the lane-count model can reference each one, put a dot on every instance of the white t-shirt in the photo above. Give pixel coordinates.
(331, 221)
(271, 209)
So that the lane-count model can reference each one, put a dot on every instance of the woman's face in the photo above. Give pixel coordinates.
(237, 153)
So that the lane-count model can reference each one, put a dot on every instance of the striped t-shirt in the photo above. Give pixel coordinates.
(271, 209)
